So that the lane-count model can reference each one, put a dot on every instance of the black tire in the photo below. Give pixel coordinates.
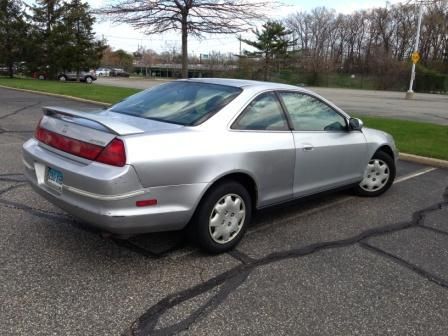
(363, 189)
(88, 80)
(62, 78)
(200, 230)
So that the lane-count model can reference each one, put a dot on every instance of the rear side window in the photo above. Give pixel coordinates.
(185, 103)
(263, 113)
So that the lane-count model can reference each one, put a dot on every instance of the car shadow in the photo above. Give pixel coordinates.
(161, 244)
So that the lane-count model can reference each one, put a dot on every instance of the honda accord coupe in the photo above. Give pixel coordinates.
(202, 154)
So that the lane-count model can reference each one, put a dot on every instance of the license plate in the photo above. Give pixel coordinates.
(55, 178)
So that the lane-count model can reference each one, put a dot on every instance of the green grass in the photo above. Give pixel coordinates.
(101, 93)
(411, 137)
(414, 137)
(333, 80)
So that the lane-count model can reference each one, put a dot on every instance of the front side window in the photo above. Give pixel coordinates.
(263, 113)
(310, 114)
(185, 103)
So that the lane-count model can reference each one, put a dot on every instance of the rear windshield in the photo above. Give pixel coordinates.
(184, 103)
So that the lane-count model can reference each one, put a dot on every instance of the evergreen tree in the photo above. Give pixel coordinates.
(271, 43)
(13, 32)
(46, 18)
(65, 38)
(78, 48)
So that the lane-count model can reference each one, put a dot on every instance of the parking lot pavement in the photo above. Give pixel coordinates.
(337, 265)
(425, 107)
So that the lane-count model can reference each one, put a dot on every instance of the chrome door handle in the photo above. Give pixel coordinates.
(308, 148)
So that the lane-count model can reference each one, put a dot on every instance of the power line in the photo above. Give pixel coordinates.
(162, 39)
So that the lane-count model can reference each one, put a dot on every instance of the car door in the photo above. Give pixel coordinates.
(262, 133)
(328, 154)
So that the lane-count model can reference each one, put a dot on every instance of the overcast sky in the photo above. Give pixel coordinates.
(127, 38)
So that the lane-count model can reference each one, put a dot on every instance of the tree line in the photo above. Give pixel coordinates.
(376, 41)
(357, 41)
(50, 36)
(57, 34)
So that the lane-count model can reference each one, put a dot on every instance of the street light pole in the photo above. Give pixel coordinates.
(410, 92)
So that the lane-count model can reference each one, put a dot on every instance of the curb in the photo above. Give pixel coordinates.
(57, 95)
(424, 160)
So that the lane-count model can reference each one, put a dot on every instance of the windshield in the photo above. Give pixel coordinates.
(185, 103)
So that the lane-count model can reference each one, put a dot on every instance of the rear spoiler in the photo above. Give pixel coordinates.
(92, 119)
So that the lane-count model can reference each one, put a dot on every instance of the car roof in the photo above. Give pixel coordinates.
(240, 83)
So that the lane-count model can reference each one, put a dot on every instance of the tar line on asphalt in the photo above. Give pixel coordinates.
(224, 284)
(410, 176)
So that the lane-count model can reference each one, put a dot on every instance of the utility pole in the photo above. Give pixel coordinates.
(239, 55)
(240, 45)
(410, 92)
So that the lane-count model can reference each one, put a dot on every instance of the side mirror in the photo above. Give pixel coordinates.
(355, 124)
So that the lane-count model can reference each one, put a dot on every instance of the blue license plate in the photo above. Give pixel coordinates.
(55, 178)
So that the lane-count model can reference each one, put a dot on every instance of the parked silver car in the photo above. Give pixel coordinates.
(202, 154)
(84, 76)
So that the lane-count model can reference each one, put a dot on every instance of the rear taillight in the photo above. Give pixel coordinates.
(113, 154)
(69, 145)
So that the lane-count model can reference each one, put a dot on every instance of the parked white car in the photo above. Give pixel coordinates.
(103, 72)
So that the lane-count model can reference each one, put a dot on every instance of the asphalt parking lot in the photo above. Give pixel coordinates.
(337, 265)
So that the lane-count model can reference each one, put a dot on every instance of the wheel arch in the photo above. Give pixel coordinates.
(386, 149)
(244, 178)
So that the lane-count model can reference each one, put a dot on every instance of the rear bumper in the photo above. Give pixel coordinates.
(105, 197)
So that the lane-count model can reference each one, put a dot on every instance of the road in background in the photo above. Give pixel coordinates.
(425, 107)
(337, 265)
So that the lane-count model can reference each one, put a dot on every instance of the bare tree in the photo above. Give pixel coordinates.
(187, 16)
(358, 41)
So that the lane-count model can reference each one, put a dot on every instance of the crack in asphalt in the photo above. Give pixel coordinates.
(2, 130)
(13, 177)
(18, 183)
(241, 257)
(20, 110)
(434, 230)
(57, 216)
(15, 186)
(67, 219)
(420, 271)
(233, 278)
(230, 280)
(35, 211)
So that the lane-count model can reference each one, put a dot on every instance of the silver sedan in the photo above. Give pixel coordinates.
(202, 154)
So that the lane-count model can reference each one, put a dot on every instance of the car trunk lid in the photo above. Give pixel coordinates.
(87, 135)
